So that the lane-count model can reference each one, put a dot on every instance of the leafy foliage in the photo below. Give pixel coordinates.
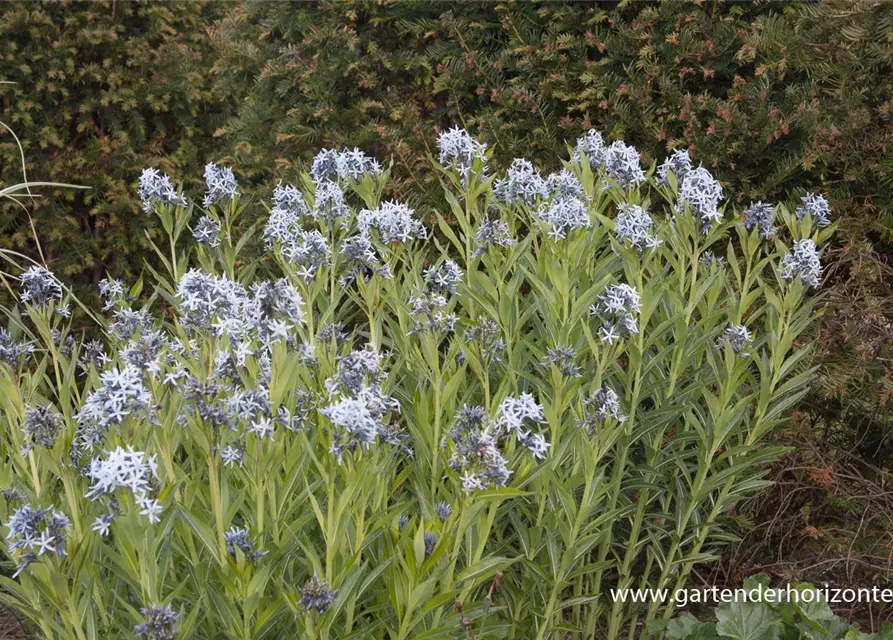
(766, 93)
(364, 433)
(95, 91)
(772, 97)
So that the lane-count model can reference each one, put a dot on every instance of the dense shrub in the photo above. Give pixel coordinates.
(97, 90)
(370, 432)
(774, 97)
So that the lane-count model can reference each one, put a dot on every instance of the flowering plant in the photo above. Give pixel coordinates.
(388, 428)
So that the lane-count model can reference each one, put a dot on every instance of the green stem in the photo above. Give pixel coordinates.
(558, 580)
(216, 503)
(435, 447)
(718, 504)
(259, 483)
(330, 526)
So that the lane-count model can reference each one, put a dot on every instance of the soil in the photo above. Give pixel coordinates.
(10, 627)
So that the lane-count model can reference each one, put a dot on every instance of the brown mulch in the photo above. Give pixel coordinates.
(828, 518)
(10, 626)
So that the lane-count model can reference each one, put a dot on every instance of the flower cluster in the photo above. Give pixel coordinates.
(308, 250)
(679, 164)
(710, 260)
(220, 306)
(477, 457)
(701, 191)
(285, 232)
(276, 298)
(11, 352)
(635, 226)
(564, 215)
(522, 186)
(803, 262)
(206, 400)
(159, 623)
(488, 337)
(39, 287)
(459, 151)
(11, 495)
(121, 393)
(492, 232)
(599, 407)
(41, 427)
(430, 540)
(359, 406)
(444, 278)
(156, 188)
(622, 164)
(429, 309)
(561, 197)
(362, 261)
(429, 306)
(103, 524)
(332, 331)
(252, 407)
(232, 454)
(618, 308)
(34, 532)
(761, 216)
(92, 355)
(316, 595)
(347, 164)
(239, 539)
(221, 184)
(289, 198)
(128, 323)
(443, 510)
(592, 146)
(329, 204)
(128, 469)
(143, 352)
(393, 221)
(738, 337)
(284, 222)
(113, 293)
(817, 207)
(207, 302)
(207, 231)
(564, 358)
(64, 341)
(564, 184)
(514, 414)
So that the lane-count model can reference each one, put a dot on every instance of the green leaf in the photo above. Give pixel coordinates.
(747, 621)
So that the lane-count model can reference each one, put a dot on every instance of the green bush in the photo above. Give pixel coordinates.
(360, 434)
(767, 94)
(96, 91)
(772, 97)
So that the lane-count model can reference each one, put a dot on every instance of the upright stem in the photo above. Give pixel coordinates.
(216, 504)
(330, 526)
(718, 505)
(558, 581)
(435, 449)
(259, 482)
(619, 469)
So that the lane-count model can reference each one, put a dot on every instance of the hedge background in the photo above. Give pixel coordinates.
(101, 90)
(772, 97)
